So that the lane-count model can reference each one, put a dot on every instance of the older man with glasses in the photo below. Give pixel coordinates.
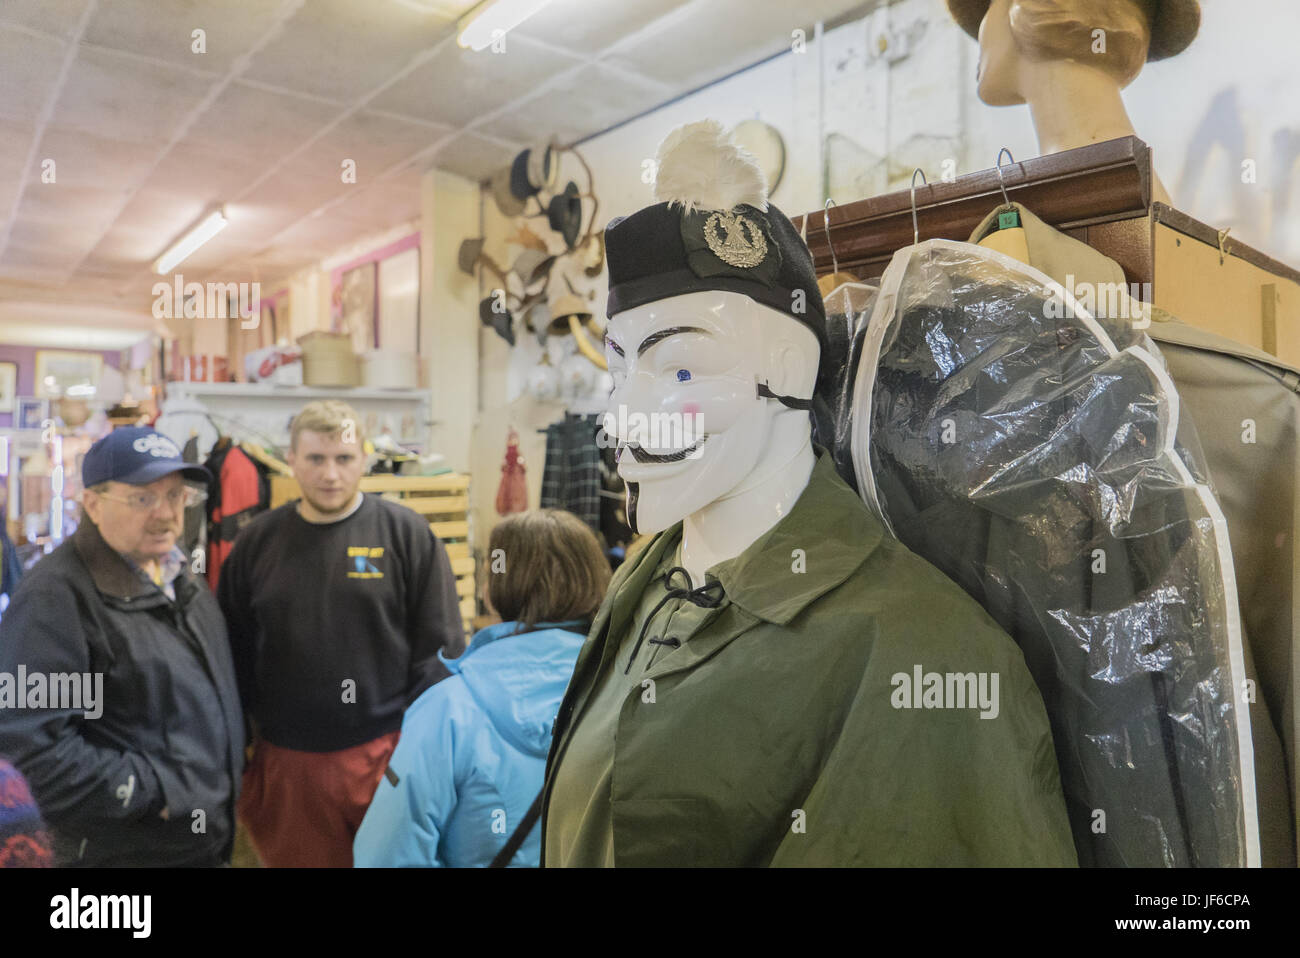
(122, 709)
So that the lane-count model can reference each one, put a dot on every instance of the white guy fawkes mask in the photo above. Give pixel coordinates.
(685, 412)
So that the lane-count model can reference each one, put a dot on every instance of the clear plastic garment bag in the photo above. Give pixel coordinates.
(1028, 450)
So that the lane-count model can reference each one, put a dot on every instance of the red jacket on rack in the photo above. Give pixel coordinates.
(241, 492)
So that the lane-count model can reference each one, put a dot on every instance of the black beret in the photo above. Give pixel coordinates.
(663, 251)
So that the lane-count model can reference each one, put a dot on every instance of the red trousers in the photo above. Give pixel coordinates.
(302, 809)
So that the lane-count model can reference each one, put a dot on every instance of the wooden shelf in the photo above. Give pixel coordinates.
(1103, 183)
(1101, 196)
(296, 393)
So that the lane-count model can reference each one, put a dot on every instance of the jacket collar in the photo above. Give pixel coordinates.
(111, 573)
(828, 525)
(506, 630)
(1056, 254)
(834, 533)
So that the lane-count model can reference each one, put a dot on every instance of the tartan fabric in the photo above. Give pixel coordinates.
(571, 479)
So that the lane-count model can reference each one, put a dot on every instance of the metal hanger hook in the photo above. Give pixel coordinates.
(826, 225)
(1001, 182)
(916, 233)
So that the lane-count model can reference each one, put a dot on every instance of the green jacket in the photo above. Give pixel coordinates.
(776, 735)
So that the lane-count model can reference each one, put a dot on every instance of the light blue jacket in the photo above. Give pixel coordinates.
(472, 754)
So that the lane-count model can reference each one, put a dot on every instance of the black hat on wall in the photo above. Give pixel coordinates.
(564, 214)
(520, 188)
(493, 314)
(532, 171)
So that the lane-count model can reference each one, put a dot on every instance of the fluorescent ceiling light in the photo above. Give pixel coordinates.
(211, 225)
(494, 18)
(447, 8)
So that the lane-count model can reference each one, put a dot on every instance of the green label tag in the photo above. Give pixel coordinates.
(1009, 220)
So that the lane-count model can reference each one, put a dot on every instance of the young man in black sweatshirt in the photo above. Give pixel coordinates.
(337, 606)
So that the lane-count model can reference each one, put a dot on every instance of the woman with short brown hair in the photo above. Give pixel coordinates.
(545, 565)
(473, 749)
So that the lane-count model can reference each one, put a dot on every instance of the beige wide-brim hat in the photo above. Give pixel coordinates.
(564, 306)
(1173, 23)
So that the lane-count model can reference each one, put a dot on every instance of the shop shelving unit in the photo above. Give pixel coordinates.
(268, 408)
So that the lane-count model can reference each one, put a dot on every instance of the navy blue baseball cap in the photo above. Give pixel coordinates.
(136, 455)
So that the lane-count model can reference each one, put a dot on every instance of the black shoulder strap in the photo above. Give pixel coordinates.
(507, 853)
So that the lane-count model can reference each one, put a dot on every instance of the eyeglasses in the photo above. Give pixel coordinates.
(148, 501)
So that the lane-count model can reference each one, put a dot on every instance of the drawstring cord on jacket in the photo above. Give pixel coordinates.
(701, 597)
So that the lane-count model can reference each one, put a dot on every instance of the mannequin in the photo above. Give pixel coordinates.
(756, 454)
(737, 702)
(1069, 60)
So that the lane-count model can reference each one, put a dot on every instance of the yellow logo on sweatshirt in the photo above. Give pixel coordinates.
(362, 566)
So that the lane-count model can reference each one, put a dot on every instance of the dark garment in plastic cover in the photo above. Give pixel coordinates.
(1027, 450)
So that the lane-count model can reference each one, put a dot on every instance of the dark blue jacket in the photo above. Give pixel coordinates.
(171, 733)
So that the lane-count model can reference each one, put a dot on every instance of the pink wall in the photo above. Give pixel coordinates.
(25, 357)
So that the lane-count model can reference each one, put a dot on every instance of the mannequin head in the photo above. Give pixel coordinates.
(714, 342)
(719, 345)
(1038, 31)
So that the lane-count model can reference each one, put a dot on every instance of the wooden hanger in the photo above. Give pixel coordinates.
(261, 455)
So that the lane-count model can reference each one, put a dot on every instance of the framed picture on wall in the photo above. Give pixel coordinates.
(57, 371)
(32, 411)
(8, 386)
(358, 307)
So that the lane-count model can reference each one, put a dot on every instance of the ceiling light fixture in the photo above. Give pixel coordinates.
(210, 226)
(493, 19)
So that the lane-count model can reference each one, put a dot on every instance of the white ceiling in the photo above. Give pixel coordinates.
(146, 134)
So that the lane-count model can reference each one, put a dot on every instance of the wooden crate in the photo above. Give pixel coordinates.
(443, 501)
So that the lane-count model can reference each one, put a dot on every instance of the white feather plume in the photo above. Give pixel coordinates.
(701, 167)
